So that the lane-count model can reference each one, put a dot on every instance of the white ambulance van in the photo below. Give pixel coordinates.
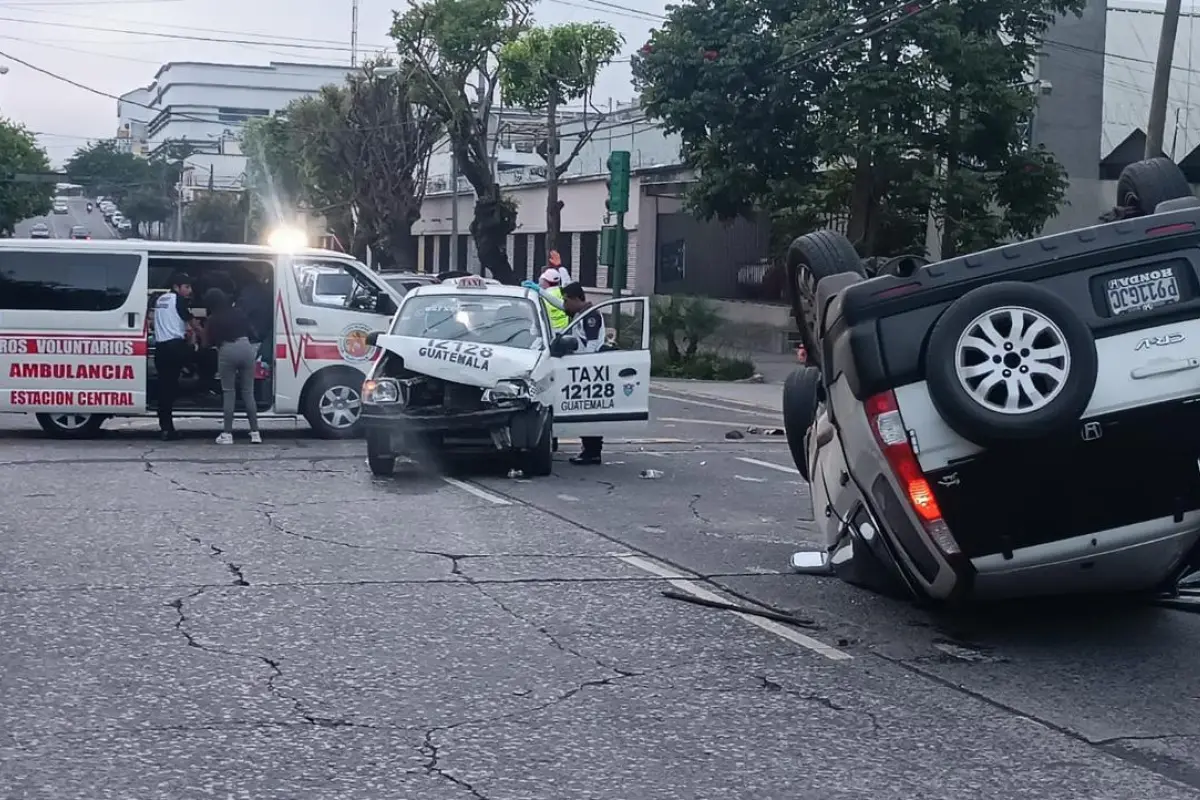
(77, 338)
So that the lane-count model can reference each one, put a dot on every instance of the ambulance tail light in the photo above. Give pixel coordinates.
(883, 414)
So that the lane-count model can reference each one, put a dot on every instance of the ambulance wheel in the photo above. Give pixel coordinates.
(333, 404)
(539, 462)
(71, 426)
(380, 458)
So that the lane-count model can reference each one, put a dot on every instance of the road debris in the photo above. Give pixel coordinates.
(735, 435)
(650, 474)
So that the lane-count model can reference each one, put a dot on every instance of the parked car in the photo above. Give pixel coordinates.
(1016, 422)
(39, 230)
(404, 282)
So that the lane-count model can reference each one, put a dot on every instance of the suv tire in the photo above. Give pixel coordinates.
(1145, 184)
(810, 258)
(1049, 367)
(801, 396)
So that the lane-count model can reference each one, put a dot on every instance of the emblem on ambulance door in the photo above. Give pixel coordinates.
(352, 344)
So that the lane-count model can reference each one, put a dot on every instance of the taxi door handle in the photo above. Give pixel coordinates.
(131, 319)
(305, 321)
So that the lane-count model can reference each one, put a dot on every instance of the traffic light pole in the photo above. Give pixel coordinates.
(619, 258)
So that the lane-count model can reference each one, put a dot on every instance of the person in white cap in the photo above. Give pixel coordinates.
(555, 259)
(549, 286)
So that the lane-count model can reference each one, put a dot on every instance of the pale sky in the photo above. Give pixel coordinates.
(83, 40)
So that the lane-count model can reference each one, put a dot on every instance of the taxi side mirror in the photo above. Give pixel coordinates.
(562, 345)
(373, 338)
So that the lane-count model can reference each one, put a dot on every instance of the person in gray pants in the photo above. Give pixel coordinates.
(229, 330)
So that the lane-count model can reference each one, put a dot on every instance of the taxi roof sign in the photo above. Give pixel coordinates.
(470, 282)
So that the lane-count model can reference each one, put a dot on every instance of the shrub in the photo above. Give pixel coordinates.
(680, 325)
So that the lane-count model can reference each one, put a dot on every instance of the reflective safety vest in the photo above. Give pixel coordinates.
(558, 318)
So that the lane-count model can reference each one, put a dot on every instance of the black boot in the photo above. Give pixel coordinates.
(590, 455)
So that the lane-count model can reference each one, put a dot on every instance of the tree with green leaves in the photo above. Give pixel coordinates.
(542, 70)
(146, 189)
(214, 217)
(875, 112)
(356, 155)
(454, 48)
(20, 198)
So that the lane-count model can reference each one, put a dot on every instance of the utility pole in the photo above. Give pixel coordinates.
(1157, 123)
(354, 33)
(453, 209)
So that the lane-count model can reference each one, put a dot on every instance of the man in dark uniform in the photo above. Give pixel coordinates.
(591, 336)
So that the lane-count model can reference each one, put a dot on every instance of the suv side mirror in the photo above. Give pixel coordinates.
(373, 338)
(384, 304)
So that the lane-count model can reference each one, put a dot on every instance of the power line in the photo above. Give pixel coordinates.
(293, 43)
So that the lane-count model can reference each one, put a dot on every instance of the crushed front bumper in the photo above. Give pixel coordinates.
(515, 425)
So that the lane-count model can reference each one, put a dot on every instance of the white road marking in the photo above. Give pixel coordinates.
(768, 465)
(748, 479)
(771, 626)
(750, 411)
(570, 498)
(494, 499)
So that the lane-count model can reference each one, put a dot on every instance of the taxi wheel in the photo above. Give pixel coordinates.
(539, 462)
(71, 426)
(333, 404)
(380, 459)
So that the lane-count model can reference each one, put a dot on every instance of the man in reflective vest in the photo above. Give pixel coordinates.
(550, 285)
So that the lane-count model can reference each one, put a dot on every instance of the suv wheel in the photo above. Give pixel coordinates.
(811, 258)
(801, 396)
(1144, 184)
(1010, 361)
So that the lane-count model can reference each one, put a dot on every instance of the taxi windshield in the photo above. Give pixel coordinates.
(481, 319)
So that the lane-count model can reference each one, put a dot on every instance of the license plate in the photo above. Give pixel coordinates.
(1142, 291)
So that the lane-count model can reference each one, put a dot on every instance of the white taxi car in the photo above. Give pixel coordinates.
(470, 366)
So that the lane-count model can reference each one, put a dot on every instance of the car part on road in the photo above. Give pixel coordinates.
(802, 394)
(650, 474)
(66, 425)
(1142, 185)
(1010, 361)
(811, 562)
(799, 622)
(810, 259)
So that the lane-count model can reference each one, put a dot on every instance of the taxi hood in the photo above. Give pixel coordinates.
(461, 362)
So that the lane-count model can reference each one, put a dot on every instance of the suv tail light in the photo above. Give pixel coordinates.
(883, 414)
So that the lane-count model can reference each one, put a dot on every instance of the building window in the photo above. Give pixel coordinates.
(521, 256)
(589, 252)
(539, 254)
(240, 114)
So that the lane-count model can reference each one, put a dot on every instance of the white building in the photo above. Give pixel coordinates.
(206, 105)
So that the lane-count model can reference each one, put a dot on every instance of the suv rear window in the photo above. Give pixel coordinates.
(66, 281)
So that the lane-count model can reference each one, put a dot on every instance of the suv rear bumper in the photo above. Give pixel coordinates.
(1131, 558)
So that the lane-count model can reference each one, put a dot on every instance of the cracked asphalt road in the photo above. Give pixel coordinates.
(185, 621)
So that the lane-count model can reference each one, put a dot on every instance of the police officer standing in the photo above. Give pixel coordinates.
(172, 351)
(550, 287)
(592, 336)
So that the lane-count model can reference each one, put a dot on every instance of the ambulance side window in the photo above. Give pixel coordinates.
(71, 281)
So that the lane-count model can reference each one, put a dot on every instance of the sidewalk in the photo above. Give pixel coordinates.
(763, 396)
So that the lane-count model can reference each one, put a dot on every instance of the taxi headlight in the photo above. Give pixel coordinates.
(381, 391)
(508, 390)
